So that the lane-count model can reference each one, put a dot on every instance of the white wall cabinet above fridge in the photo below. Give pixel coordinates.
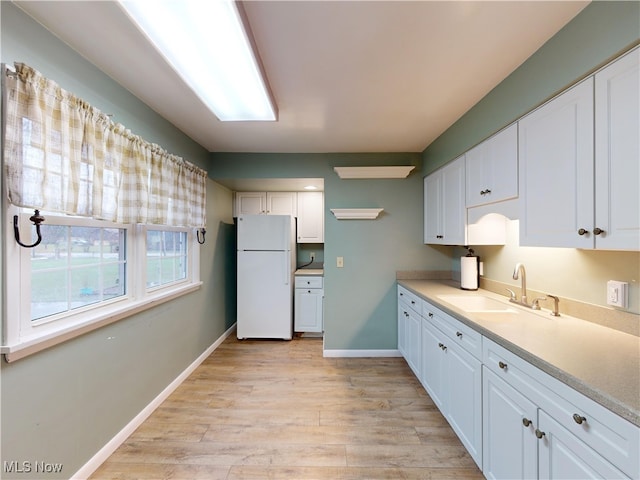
(265, 203)
(307, 207)
(573, 194)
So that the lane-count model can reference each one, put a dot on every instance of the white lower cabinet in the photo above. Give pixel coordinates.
(453, 377)
(409, 343)
(308, 304)
(537, 427)
(516, 421)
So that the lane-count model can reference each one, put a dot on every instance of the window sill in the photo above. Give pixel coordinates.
(30, 346)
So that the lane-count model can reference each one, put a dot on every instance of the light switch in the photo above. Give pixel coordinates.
(617, 294)
(339, 262)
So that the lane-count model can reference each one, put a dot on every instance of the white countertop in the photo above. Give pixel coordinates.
(599, 362)
(309, 272)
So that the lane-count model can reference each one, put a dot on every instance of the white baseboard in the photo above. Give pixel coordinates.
(98, 459)
(360, 353)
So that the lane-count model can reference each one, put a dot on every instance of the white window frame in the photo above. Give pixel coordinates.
(22, 337)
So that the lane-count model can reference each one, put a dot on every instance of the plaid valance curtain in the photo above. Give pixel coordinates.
(63, 155)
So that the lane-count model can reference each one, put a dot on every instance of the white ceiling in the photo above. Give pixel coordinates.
(347, 76)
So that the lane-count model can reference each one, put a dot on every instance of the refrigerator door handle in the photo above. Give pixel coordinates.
(287, 268)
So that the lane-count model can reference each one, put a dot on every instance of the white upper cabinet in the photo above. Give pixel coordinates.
(492, 169)
(250, 203)
(265, 203)
(617, 168)
(310, 217)
(444, 205)
(282, 203)
(556, 171)
(580, 164)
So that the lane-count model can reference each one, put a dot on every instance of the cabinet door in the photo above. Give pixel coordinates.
(563, 456)
(433, 366)
(492, 169)
(509, 447)
(308, 309)
(556, 171)
(444, 205)
(617, 116)
(454, 213)
(310, 217)
(414, 343)
(464, 379)
(433, 208)
(250, 203)
(403, 318)
(281, 203)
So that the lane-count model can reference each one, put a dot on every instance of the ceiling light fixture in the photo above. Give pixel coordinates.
(310, 187)
(209, 45)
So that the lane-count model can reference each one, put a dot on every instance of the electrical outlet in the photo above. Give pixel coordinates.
(339, 262)
(617, 295)
(312, 256)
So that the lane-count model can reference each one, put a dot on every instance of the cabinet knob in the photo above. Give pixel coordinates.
(539, 434)
(308, 291)
(430, 315)
(459, 334)
(439, 236)
(582, 231)
(597, 231)
(442, 346)
(526, 422)
(502, 365)
(485, 192)
(578, 418)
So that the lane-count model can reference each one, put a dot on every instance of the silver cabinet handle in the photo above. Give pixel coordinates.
(502, 365)
(579, 418)
(526, 422)
(539, 434)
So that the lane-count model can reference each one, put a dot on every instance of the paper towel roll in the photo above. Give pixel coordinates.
(469, 273)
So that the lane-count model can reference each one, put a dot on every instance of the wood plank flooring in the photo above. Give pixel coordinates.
(266, 409)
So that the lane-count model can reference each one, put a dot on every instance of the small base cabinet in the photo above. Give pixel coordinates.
(308, 304)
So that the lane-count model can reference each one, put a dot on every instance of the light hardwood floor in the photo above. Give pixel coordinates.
(278, 410)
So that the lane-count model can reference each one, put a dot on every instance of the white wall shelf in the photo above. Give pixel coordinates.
(356, 213)
(399, 171)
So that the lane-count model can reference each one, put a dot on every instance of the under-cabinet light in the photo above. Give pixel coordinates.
(210, 47)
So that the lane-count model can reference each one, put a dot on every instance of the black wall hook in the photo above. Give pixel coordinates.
(37, 219)
(198, 232)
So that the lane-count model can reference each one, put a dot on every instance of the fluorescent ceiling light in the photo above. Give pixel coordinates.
(310, 187)
(206, 43)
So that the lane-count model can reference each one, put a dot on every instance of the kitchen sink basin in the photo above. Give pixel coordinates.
(478, 303)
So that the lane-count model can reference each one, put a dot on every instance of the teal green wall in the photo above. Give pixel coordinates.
(602, 30)
(65, 403)
(360, 299)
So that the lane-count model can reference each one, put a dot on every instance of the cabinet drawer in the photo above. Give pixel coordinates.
(308, 282)
(410, 298)
(610, 435)
(465, 336)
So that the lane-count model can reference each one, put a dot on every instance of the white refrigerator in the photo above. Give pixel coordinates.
(266, 263)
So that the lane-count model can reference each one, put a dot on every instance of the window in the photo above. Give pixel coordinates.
(121, 214)
(86, 273)
(74, 267)
(166, 257)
